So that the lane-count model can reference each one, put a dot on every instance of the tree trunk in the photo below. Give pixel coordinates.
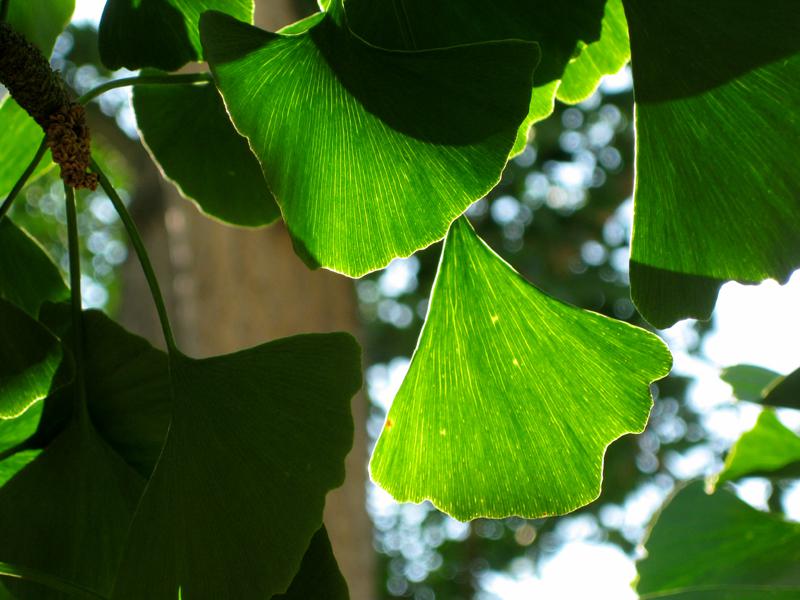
(233, 288)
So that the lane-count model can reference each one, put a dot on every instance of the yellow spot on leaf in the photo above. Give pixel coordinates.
(495, 319)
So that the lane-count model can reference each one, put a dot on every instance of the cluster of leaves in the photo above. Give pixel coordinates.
(370, 130)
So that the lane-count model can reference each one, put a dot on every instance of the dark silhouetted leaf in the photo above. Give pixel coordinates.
(27, 275)
(716, 181)
(392, 146)
(189, 134)
(704, 547)
(512, 396)
(158, 33)
(66, 513)
(748, 381)
(784, 391)
(319, 575)
(256, 441)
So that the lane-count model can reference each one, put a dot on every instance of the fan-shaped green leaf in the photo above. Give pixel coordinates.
(27, 275)
(390, 146)
(158, 33)
(20, 137)
(717, 547)
(768, 447)
(512, 397)
(716, 193)
(66, 514)
(189, 134)
(29, 358)
(257, 439)
(41, 22)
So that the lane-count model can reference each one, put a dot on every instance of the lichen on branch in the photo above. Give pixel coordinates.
(41, 91)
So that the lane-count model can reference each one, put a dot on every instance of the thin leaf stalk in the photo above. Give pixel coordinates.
(141, 253)
(76, 304)
(23, 179)
(145, 80)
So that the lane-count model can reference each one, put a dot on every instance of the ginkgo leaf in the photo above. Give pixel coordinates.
(716, 193)
(128, 391)
(190, 136)
(784, 391)
(580, 40)
(748, 382)
(391, 146)
(512, 396)
(29, 358)
(319, 575)
(67, 513)
(20, 137)
(28, 277)
(158, 33)
(41, 22)
(256, 441)
(712, 547)
(768, 447)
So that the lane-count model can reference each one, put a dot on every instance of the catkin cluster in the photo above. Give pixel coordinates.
(39, 90)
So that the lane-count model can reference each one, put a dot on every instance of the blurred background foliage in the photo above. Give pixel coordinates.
(561, 216)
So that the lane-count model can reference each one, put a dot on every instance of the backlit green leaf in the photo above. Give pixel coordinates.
(716, 194)
(257, 439)
(768, 447)
(371, 154)
(512, 396)
(41, 22)
(20, 137)
(717, 547)
(27, 275)
(158, 33)
(67, 513)
(189, 134)
(29, 358)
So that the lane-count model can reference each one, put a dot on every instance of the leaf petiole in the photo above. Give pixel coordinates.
(75, 301)
(23, 179)
(145, 79)
(141, 253)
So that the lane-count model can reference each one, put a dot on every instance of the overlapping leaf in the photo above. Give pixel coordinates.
(716, 86)
(189, 134)
(319, 575)
(67, 513)
(29, 358)
(158, 33)
(28, 277)
(257, 439)
(784, 391)
(371, 154)
(766, 449)
(512, 397)
(580, 40)
(697, 550)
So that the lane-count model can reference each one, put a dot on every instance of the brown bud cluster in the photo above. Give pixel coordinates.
(39, 90)
(68, 138)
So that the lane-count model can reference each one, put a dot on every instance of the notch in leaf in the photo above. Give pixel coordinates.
(512, 396)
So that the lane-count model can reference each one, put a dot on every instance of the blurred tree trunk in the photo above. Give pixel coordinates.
(229, 288)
